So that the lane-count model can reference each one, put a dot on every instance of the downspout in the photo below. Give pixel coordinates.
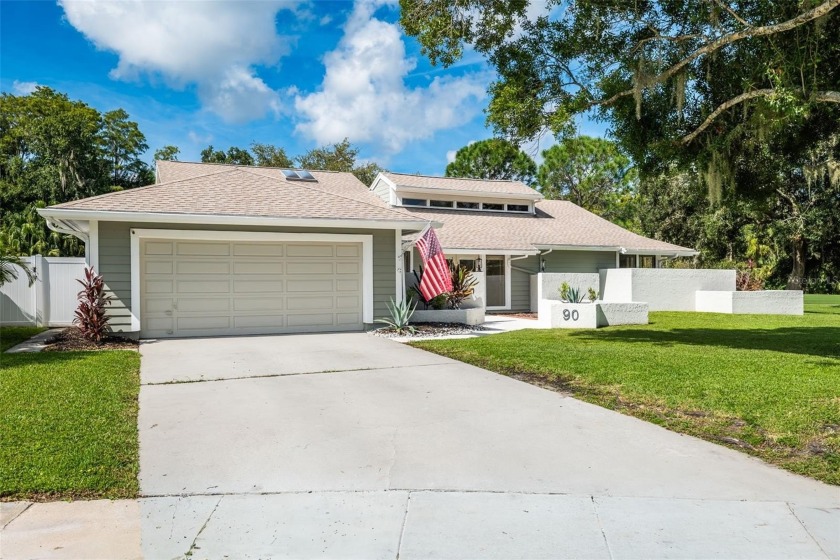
(542, 261)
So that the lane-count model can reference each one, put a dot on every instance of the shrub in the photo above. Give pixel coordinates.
(90, 314)
(463, 286)
(593, 294)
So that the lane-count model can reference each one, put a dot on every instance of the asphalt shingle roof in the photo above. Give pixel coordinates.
(247, 191)
(557, 222)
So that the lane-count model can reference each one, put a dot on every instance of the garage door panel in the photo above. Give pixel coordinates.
(257, 267)
(348, 318)
(311, 320)
(347, 285)
(259, 321)
(312, 303)
(258, 250)
(258, 304)
(158, 248)
(196, 288)
(269, 285)
(202, 267)
(160, 324)
(203, 286)
(298, 286)
(203, 305)
(348, 302)
(204, 322)
(314, 267)
(157, 305)
(309, 250)
(159, 286)
(347, 268)
(159, 267)
(192, 248)
(347, 250)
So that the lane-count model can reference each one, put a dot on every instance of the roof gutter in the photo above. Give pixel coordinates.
(61, 214)
(622, 250)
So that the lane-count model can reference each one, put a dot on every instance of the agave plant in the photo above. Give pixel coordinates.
(90, 314)
(572, 295)
(463, 286)
(400, 317)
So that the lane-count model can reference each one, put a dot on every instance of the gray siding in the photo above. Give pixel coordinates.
(115, 263)
(520, 282)
(556, 261)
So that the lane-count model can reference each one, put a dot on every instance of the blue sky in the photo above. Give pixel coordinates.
(297, 74)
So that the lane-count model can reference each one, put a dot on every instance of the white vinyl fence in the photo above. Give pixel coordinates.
(51, 300)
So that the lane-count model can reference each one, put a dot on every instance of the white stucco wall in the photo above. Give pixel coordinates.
(769, 302)
(622, 314)
(474, 316)
(616, 284)
(663, 289)
(548, 283)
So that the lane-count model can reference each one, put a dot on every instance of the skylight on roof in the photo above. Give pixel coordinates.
(299, 175)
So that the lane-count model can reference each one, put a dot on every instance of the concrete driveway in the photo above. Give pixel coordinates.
(350, 445)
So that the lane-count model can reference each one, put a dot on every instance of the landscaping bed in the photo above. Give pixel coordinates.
(431, 330)
(69, 424)
(71, 339)
(766, 385)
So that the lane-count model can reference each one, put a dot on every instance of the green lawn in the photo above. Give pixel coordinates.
(769, 385)
(12, 336)
(69, 425)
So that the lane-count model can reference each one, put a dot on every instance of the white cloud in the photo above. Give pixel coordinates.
(24, 88)
(197, 138)
(364, 95)
(214, 45)
(450, 156)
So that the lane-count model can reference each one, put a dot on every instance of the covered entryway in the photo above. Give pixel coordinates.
(211, 287)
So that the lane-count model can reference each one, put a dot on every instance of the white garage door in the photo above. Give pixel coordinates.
(209, 288)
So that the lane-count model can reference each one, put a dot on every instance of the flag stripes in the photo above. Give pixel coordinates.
(436, 278)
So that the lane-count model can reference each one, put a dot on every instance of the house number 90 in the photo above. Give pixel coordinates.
(573, 315)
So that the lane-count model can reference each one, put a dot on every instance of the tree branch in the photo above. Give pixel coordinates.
(723, 107)
(730, 38)
(827, 96)
(820, 96)
(731, 12)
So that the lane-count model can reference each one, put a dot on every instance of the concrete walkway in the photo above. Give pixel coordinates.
(354, 446)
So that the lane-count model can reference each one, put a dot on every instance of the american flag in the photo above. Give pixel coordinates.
(436, 279)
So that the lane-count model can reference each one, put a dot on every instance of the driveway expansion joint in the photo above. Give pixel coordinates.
(294, 374)
(21, 512)
(807, 531)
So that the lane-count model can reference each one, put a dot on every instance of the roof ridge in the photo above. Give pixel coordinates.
(246, 166)
(143, 188)
(322, 191)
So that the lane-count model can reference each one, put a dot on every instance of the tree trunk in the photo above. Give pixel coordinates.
(797, 274)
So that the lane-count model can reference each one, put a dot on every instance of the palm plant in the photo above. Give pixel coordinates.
(9, 267)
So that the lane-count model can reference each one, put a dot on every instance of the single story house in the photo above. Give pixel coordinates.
(506, 232)
(225, 249)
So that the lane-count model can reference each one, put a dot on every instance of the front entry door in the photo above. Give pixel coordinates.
(495, 273)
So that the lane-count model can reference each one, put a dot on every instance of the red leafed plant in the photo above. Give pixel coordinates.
(90, 314)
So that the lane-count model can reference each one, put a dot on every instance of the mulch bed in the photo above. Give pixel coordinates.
(71, 340)
(532, 316)
(431, 330)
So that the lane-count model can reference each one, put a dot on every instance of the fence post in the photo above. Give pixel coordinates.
(39, 293)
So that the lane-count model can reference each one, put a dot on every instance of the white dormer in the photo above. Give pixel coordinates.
(455, 193)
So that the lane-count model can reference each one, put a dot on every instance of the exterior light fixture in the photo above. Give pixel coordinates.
(478, 263)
